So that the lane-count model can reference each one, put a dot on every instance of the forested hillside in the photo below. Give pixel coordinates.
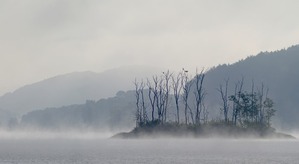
(277, 71)
(115, 113)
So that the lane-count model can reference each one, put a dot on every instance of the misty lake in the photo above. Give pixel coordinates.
(164, 151)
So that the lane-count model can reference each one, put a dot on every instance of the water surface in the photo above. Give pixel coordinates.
(166, 151)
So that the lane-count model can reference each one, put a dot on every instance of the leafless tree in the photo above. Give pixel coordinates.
(160, 100)
(138, 108)
(199, 94)
(224, 98)
(260, 99)
(143, 108)
(177, 87)
(166, 89)
(152, 95)
(187, 84)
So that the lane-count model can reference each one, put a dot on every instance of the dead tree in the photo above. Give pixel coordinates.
(199, 94)
(138, 108)
(177, 87)
(266, 110)
(152, 88)
(224, 98)
(143, 108)
(166, 89)
(186, 91)
(160, 99)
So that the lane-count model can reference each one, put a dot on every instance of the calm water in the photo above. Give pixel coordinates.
(147, 151)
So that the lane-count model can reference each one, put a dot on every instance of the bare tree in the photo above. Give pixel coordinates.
(261, 100)
(166, 89)
(160, 98)
(138, 108)
(177, 87)
(143, 108)
(186, 91)
(199, 94)
(224, 98)
(152, 96)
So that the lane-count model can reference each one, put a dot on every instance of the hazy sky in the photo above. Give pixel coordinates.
(44, 38)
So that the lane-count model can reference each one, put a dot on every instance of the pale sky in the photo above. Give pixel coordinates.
(43, 38)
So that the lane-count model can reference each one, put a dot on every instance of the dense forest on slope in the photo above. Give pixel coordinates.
(277, 71)
(115, 113)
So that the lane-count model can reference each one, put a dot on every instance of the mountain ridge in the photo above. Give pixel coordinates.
(72, 88)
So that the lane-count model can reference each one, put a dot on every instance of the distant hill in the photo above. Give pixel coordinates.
(72, 88)
(277, 70)
(111, 114)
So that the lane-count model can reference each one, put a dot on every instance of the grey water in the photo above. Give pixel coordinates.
(164, 151)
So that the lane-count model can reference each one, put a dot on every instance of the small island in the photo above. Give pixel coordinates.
(245, 114)
(212, 130)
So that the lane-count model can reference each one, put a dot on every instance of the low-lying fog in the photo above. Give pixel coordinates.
(76, 134)
(35, 134)
(96, 147)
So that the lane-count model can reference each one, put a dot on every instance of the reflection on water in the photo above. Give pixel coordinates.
(92, 150)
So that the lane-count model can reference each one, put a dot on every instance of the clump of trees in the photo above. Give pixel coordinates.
(252, 108)
(179, 98)
(161, 90)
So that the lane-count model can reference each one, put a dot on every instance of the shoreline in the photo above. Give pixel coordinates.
(201, 132)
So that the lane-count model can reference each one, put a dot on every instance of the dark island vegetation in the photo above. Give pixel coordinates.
(172, 105)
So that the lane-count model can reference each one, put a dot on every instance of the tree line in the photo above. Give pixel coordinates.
(183, 95)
